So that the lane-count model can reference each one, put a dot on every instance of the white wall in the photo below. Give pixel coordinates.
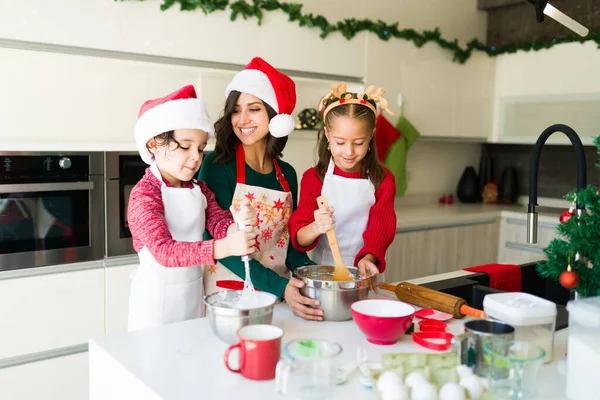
(82, 98)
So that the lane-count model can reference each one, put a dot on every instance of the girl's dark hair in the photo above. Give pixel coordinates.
(372, 167)
(227, 141)
(164, 139)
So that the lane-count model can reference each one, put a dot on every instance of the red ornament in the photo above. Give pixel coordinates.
(564, 217)
(569, 279)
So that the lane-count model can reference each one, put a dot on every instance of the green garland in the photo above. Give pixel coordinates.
(350, 27)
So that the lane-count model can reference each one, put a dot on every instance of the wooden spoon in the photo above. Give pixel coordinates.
(340, 272)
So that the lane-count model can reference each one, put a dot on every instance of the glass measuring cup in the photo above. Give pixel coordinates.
(307, 369)
(513, 368)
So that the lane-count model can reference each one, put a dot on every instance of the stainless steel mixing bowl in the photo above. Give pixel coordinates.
(225, 320)
(335, 296)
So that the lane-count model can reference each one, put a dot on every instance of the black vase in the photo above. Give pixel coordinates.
(468, 186)
(508, 188)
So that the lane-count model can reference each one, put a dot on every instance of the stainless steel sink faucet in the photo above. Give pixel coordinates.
(532, 217)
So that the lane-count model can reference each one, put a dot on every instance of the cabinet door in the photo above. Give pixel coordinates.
(118, 285)
(64, 378)
(513, 246)
(46, 312)
(421, 253)
(477, 244)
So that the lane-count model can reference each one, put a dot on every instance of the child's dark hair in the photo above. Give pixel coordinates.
(372, 167)
(227, 141)
(165, 139)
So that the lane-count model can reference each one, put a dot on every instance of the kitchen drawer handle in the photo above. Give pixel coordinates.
(524, 247)
(514, 221)
(46, 187)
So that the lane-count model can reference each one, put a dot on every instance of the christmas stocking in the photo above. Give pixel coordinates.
(395, 158)
(385, 136)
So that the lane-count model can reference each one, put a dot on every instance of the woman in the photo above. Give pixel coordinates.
(251, 136)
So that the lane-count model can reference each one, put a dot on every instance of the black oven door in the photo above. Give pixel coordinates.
(123, 172)
(51, 223)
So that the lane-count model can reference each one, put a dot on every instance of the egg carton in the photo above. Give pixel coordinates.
(437, 370)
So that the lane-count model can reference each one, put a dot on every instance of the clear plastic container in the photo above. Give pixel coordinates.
(583, 348)
(533, 318)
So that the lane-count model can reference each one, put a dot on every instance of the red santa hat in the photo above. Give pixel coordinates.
(278, 90)
(178, 110)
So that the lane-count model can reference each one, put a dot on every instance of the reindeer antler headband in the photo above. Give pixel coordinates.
(339, 96)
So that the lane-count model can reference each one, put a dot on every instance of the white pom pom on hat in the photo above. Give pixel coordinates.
(276, 89)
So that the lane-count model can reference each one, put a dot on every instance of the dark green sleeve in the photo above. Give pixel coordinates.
(220, 178)
(294, 258)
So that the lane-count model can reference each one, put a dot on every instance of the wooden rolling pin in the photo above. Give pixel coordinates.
(429, 298)
(340, 271)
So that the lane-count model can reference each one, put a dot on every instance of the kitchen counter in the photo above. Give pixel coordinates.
(185, 361)
(410, 217)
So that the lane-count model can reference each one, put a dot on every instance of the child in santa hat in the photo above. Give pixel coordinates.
(168, 212)
(359, 190)
(246, 164)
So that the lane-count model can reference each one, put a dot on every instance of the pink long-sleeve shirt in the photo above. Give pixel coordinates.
(148, 226)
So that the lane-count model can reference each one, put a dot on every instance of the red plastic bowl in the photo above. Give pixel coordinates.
(382, 321)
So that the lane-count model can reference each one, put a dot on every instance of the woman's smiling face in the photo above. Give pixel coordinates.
(249, 119)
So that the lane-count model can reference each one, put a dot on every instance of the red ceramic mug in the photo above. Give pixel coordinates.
(259, 351)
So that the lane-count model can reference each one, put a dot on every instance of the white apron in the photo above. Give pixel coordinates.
(273, 211)
(352, 200)
(162, 295)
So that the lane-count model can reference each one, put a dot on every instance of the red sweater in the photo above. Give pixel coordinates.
(148, 226)
(381, 228)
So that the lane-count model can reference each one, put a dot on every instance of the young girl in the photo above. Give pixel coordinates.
(358, 189)
(168, 212)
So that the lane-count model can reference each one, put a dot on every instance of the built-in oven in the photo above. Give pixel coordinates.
(51, 208)
(123, 171)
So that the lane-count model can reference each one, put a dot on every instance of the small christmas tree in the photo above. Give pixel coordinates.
(574, 257)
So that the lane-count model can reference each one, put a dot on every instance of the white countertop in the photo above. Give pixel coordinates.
(185, 361)
(411, 217)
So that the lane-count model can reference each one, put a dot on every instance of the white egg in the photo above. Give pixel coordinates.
(423, 391)
(452, 391)
(388, 380)
(414, 378)
(398, 393)
(463, 371)
(473, 386)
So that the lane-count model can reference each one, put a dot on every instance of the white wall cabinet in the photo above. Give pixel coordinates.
(446, 249)
(118, 286)
(513, 247)
(51, 311)
(64, 378)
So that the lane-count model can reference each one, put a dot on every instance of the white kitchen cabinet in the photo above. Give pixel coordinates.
(108, 117)
(433, 251)
(536, 89)
(46, 312)
(64, 378)
(118, 286)
(513, 247)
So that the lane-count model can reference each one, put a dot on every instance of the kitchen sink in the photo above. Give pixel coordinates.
(474, 288)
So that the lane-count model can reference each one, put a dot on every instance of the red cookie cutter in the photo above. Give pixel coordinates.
(432, 325)
(424, 339)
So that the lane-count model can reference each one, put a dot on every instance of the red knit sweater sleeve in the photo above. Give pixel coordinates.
(148, 226)
(217, 219)
(310, 189)
(381, 228)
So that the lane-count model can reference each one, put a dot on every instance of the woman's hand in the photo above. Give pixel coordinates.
(300, 305)
(244, 214)
(368, 269)
(324, 220)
